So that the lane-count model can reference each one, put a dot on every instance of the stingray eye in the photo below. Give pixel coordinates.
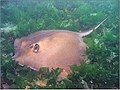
(36, 48)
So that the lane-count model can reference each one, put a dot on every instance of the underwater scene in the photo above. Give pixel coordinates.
(59, 44)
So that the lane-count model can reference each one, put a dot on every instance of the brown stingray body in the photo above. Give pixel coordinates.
(51, 48)
(57, 49)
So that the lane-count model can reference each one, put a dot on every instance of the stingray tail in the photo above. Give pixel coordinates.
(87, 32)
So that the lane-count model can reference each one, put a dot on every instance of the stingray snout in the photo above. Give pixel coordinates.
(15, 56)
